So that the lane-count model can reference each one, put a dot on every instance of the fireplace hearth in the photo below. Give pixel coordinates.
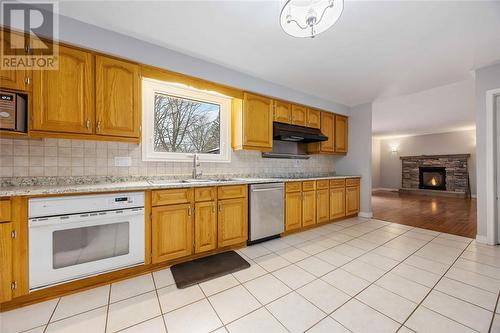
(432, 178)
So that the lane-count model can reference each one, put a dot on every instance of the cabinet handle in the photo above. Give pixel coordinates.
(27, 80)
(87, 123)
(98, 125)
(189, 211)
(220, 208)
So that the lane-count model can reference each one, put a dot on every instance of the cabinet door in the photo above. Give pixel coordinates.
(282, 112)
(323, 205)
(327, 128)
(313, 118)
(172, 232)
(205, 226)
(5, 262)
(257, 122)
(14, 79)
(308, 208)
(293, 211)
(117, 98)
(341, 134)
(352, 200)
(299, 114)
(63, 99)
(232, 221)
(337, 203)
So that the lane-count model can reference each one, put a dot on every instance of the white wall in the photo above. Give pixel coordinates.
(461, 142)
(358, 160)
(487, 78)
(376, 163)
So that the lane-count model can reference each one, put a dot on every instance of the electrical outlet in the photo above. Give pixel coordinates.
(123, 161)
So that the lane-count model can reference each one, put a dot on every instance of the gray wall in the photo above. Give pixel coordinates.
(487, 78)
(376, 163)
(85, 35)
(462, 142)
(359, 159)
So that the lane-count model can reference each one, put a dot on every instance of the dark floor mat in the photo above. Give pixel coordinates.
(203, 269)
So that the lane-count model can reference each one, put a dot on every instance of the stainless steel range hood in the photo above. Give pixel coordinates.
(293, 133)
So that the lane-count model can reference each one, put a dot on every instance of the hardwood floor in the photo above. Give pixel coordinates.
(451, 215)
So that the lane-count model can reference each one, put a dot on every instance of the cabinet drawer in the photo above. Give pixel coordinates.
(229, 192)
(172, 197)
(293, 187)
(4, 210)
(352, 182)
(322, 184)
(335, 183)
(309, 185)
(205, 194)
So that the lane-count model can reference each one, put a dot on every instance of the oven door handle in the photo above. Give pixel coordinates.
(101, 217)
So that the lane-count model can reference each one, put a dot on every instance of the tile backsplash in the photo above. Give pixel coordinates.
(63, 158)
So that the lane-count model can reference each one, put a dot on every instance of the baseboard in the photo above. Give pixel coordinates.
(388, 189)
(481, 239)
(367, 215)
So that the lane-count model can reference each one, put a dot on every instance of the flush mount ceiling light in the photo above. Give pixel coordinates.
(308, 18)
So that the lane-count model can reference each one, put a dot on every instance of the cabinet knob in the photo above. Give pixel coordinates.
(27, 80)
(98, 125)
(189, 211)
(87, 123)
(220, 208)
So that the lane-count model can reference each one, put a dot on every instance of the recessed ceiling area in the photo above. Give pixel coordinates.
(378, 49)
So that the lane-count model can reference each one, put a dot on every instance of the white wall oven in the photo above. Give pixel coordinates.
(73, 237)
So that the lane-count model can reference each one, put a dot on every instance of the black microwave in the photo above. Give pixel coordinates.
(13, 111)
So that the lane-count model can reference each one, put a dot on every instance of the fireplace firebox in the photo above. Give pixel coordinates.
(432, 178)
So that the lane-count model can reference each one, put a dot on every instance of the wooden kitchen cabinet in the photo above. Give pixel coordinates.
(15, 79)
(5, 261)
(352, 200)
(63, 99)
(327, 128)
(282, 112)
(172, 232)
(205, 226)
(313, 118)
(308, 208)
(299, 115)
(341, 134)
(252, 123)
(293, 211)
(322, 205)
(117, 98)
(337, 202)
(232, 221)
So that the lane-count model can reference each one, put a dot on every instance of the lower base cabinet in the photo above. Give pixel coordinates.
(172, 232)
(293, 211)
(232, 221)
(308, 208)
(5, 262)
(352, 200)
(205, 226)
(337, 203)
(322, 205)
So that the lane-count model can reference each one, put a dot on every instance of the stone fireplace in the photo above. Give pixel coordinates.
(446, 174)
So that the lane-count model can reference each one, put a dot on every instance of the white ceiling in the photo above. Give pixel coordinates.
(443, 109)
(376, 50)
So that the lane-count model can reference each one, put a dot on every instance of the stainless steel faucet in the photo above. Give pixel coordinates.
(196, 163)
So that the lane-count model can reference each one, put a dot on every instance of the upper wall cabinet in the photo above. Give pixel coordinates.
(282, 112)
(117, 98)
(341, 134)
(18, 79)
(299, 115)
(63, 99)
(328, 129)
(313, 118)
(252, 126)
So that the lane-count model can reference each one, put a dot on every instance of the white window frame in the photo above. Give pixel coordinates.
(152, 86)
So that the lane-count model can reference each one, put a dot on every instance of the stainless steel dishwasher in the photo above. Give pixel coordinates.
(267, 211)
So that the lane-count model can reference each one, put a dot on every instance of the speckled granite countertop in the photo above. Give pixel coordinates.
(36, 187)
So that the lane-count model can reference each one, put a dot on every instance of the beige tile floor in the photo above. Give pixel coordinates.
(358, 275)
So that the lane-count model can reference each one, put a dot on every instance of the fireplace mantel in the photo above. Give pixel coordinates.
(435, 156)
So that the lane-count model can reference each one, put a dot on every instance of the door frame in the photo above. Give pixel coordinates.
(491, 170)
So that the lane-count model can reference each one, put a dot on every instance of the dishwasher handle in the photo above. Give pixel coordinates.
(266, 189)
